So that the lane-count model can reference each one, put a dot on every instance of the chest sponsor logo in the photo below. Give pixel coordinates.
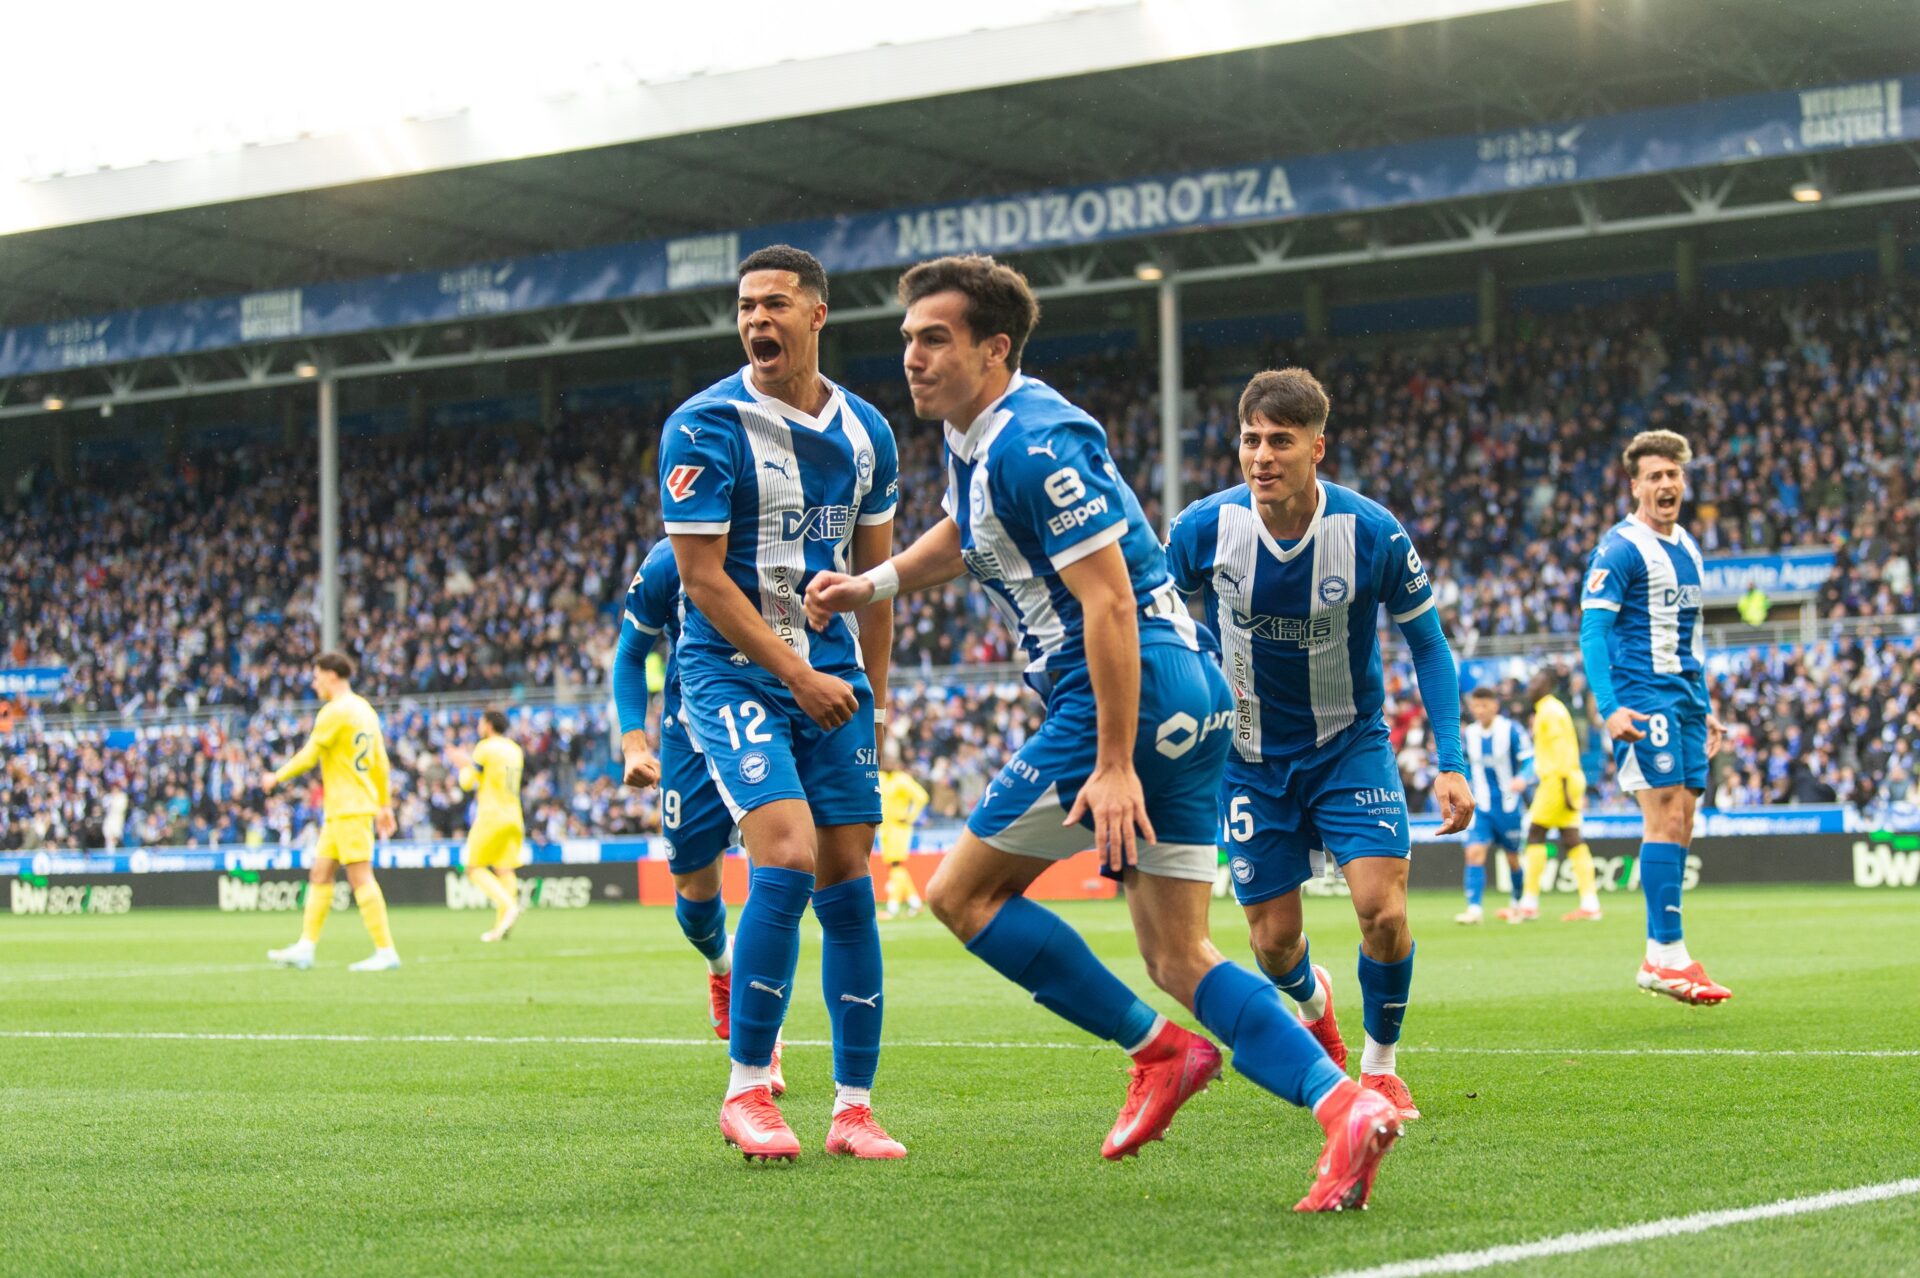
(1680, 597)
(817, 523)
(1307, 632)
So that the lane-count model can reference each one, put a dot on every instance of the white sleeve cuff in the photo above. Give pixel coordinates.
(636, 623)
(1080, 550)
(1402, 618)
(698, 529)
(877, 517)
(1599, 605)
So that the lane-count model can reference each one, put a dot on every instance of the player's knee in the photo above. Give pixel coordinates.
(1178, 969)
(1383, 920)
(1276, 941)
(960, 909)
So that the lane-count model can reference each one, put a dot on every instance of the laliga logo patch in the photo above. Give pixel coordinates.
(864, 464)
(1663, 762)
(1242, 869)
(680, 481)
(754, 768)
(1333, 590)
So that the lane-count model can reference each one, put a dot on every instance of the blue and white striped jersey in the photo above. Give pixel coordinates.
(1033, 490)
(787, 489)
(1658, 648)
(654, 606)
(1496, 754)
(1297, 623)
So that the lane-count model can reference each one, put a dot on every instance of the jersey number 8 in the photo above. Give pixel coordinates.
(1657, 731)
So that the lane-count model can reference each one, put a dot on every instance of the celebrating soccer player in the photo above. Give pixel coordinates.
(1295, 572)
(497, 840)
(1501, 760)
(1645, 653)
(1557, 803)
(693, 818)
(766, 477)
(354, 776)
(1133, 740)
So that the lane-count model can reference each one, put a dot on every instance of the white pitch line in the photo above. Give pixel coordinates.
(618, 1040)
(1460, 1262)
(209, 969)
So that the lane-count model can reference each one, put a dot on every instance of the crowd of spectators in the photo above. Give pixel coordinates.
(477, 560)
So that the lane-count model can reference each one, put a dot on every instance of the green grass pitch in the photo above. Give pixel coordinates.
(1558, 1099)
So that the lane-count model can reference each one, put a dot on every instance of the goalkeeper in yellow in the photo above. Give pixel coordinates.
(902, 800)
(352, 756)
(1557, 802)
(496, 843)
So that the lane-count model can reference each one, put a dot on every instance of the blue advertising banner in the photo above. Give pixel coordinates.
(1830, 818)
(32, 681)
(1792, 572)
(1867, 113)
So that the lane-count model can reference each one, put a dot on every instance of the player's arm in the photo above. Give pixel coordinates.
(920, 800)
(1113, 794)
(872, 544)
(470, 772)
(639, 767)
(1529, 769)
(380, 769)
(1608, 574)
(307, 756)
(1439, 683)
(932, 560)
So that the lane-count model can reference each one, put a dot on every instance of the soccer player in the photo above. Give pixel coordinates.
(347, 745)
(1501, 759)
(767, 477)
(1133, 740)
(1645, 654)
(1557, 803)
(694, 820)
(497, 841)
(1295, 572)
(902, 800)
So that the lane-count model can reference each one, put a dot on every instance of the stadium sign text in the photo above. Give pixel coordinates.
(28, 895)
(1887, 861)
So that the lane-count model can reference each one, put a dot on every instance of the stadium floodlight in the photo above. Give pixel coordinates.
(1151, 272)
(53, 403)
(1807, 192)
(306, 368)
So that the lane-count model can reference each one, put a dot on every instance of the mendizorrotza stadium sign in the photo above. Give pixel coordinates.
(1866, 113)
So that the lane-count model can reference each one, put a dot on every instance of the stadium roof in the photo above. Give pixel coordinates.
(1109, 90)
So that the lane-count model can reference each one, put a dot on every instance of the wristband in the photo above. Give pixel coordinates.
(879, 718)
(885, 579)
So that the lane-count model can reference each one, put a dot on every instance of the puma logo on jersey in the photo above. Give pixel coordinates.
(1041, 450)
(783, 467)
(691, 432)
(1233, 579)
(1392, 826)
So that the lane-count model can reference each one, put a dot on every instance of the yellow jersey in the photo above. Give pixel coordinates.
(1556, 748)
(902, 799)
(495, 773)
(352, 755)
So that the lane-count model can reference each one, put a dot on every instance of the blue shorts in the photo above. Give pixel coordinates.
(1503, 830)
(1674, 749)
(1185, 709)
(1279, 820)
(761, 747)
(693, 818)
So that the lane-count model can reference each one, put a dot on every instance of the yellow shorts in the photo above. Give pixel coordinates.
(494, 845)
(896, 841)
(1553, 809)
(346, 839)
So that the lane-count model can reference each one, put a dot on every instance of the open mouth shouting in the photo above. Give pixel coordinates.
(764, 350)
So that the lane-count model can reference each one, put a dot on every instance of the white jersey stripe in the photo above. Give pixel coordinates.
(782, 562)
(1329, 663)
(1663, 585)
(1235, 559)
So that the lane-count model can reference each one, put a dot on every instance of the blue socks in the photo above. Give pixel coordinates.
(1269, 1044)
(1298, 982)
(1383, 989)
(704, 923)
(1476, 884)
(1519, 877)
(850, 977)
(1662, 866)
(1035, 949)
(766, 948)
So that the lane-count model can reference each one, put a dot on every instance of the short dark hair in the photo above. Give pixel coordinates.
(335, 663)
(1285, 397)
(1664, 444)
(1483, 693)
(497, 720)
(785, 257)
(999, 299)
